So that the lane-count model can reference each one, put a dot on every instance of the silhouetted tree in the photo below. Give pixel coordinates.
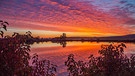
(63, 36)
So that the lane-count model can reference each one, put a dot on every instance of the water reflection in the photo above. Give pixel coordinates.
(50, 47)
(57, 54)
(64, 43)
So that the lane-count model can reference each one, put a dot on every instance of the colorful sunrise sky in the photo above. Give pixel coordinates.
(50, 18)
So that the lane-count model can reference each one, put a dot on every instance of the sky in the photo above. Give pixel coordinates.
(82, 18)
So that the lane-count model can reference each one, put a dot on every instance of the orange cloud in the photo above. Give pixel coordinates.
(76, 17)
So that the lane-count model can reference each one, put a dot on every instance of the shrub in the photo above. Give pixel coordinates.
(14, 56)
(111, 62)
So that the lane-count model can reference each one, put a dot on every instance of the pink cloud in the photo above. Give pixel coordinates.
(66, 16)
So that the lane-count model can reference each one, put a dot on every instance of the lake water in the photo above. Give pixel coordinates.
(82, 50)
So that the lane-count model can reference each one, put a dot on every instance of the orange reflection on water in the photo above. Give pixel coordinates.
(82, 50)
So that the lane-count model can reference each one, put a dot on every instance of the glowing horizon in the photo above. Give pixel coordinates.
(83, 18)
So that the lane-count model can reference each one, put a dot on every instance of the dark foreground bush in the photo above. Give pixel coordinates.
(15, 57)
(111, 62)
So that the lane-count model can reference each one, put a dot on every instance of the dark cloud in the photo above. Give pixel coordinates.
(122, 2)
(62, 2)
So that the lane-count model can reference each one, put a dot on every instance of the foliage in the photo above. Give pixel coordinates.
(111, 62)
(42, 68)
(15, 57)
(3, 24)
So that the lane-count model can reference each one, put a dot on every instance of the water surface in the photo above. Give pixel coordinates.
(82, 50)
